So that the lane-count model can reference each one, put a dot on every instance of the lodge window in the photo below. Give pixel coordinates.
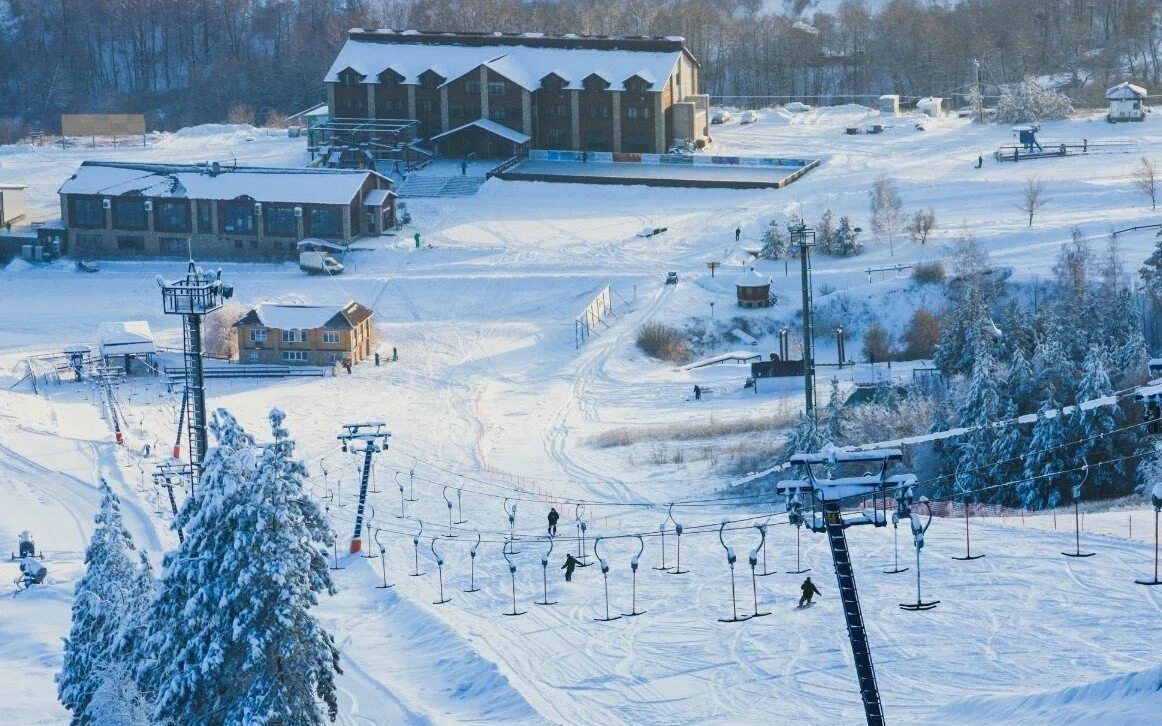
(560, 110)
(596, 136)
(206, 217)
(325, 222)
(498, 114)
(427, 106)
(632, 112)
(556, 136)
(294, 335)
(129, 213)
(294, 355)
(331, 336)
(280, 219)
(171, 216)
(637, 141)
(472, 87)
(258, 335)
(172, 246)
(496, 89)
(88, 243)
(599, 112)
(239, 219)
(88, 213)
(130, 243)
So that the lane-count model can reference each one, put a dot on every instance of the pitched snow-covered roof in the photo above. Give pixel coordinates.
(490, 126)
(377, 197)
(524, 66)
(130, 337)
(305, 317)
(191, 181)
(752, 279)
(1125, 91)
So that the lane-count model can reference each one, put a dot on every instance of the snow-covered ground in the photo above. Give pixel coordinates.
(490, 395)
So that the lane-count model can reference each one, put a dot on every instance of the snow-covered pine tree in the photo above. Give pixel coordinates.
(833, 432)
(1044, 483)
(825, 233)
(1054, 375)
(846, 242)
(105, 607)
(803, 439)
(1093, 427)
(1008, 447)
(980, 408)
(231, 637)
(1020, 385)
(774, 242)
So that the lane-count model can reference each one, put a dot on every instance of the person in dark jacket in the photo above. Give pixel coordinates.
(553, 517)
(569, 566)
(737, 233)
(809, 591)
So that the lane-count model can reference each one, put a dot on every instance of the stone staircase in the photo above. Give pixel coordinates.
(421, 185)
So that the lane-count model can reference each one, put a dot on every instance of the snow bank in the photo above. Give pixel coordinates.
(1131, 698)
(191, 132)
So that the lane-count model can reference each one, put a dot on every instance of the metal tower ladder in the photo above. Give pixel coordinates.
(195, 394)
(856, 631)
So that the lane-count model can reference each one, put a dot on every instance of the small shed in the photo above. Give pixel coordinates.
(933, 106)
(13, 207)
(1127, 103)
(123, 343)
(753, 290)
(889, 104)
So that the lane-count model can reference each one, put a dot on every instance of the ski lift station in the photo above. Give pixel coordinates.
(753, 290)
(127, 341)
(1127, 103)
(889, 104)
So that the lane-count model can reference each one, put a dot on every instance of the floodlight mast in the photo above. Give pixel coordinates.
(196, 295)
(825, 517)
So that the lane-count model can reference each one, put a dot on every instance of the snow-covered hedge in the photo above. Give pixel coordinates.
(1029, 101)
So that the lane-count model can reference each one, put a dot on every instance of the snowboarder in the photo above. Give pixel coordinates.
(377, 357)
(553, 517)
(697, 392)
(809, 591)
(737, 234)
(570, 565)
(463, 168)
(979, 161)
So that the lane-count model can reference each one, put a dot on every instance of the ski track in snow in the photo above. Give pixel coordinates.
(488, 377)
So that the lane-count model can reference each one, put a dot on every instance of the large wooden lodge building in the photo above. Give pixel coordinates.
(494, 93)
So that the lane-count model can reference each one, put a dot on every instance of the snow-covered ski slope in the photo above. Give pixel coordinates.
(490, 395)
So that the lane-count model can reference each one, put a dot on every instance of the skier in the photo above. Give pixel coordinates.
(377, 357)
(570, 565)
(553, 517)
(809, 591)
(737, 234)
(463, 168)
(697, 392)
(979, 161)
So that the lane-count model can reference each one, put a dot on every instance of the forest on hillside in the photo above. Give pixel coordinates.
(184, 62)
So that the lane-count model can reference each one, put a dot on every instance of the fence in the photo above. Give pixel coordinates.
(681, 159)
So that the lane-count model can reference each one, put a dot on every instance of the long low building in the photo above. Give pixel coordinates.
(573, 92)
(208, 211)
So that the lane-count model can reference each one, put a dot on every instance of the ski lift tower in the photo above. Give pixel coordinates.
(193, 297)
(374, 437)
(825, 517)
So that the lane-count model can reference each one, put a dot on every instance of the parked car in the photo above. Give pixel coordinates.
(749, 117)
(671, 278)
(721, 116)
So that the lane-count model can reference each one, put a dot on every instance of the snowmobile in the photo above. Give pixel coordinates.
(25, 547)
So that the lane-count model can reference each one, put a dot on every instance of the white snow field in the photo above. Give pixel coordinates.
(490, 395)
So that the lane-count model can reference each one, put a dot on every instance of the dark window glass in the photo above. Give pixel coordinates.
(496, 89)
(206, 217)
(472, 87)
(172, 246)
(239, 218)
(88, 212)
(280, 220)
(127, 243)
(171, 216)
(129, 213)
(325, 222)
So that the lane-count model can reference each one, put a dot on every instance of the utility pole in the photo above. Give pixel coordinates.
(374, 438)
(805, 239)
(193, 297)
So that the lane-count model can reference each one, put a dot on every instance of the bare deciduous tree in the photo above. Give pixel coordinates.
(887, 209)
(218, 333)
(1032, 197)
(921, 225)
(1146, 181)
